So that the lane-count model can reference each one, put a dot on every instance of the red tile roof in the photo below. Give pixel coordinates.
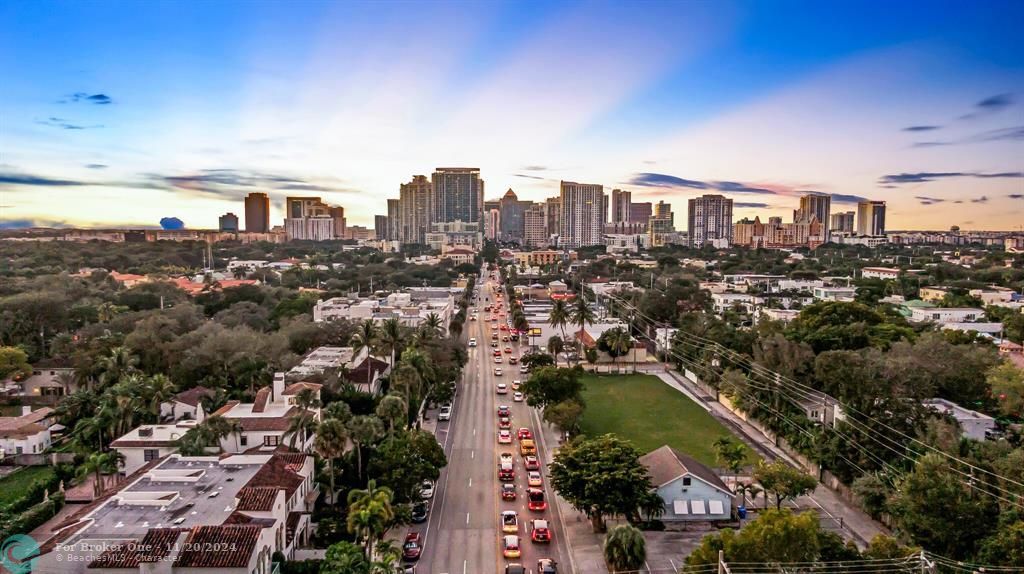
(267, 423)
(262, 398)
(156, 545)
(224, 409)
(257, 498)
(242, 518)
(294, 388)
(280, 472)
(192, 396)
(363, 374)
(229, 546)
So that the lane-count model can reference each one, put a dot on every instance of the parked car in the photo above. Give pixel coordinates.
(413, 546)
(445, 414)
(427, 490)
(419, 512)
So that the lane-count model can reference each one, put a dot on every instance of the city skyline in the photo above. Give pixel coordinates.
(920, 108)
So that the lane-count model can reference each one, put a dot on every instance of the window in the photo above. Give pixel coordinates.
(150, 454)
(271, 440)
(243, 440)
(686, 481)
(19, 450)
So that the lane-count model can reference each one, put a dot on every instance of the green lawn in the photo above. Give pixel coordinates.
(16, 484)
(650, 413)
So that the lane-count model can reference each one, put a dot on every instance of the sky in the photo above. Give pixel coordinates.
(124, 113)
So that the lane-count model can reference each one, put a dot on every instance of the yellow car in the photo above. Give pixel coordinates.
(510, 547)
(510, 521)
(526, 447)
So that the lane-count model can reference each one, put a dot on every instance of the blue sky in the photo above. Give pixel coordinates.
(127, 112)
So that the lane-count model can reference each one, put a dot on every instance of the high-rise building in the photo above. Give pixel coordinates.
(380, 226)
(620, 206)
(394, 219)
(535, 226)
(338, 215)
(842, 222)
(492, 224)
(640, 212)
(458, 194)
(553, 215)
(817, 205)
(583, 214)
(777, 235)
(416, 200)
(512, 216)
(309, 218)
(710, 221)
(257, 213)
(228, 222)
(661, 224)
(871, 218)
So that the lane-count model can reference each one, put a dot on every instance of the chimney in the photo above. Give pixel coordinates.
(278, 387)
(25, 410)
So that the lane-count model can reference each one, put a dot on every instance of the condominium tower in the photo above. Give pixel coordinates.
(871, 218)
(257, 213)
(458, 194)
(710, 220)
(416, 210)
(583, 214)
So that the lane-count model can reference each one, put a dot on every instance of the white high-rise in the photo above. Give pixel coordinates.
(710, 220)
(583, 214)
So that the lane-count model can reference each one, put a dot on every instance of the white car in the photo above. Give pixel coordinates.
(427, 490)
(497, 360)
(502, 389)
(517, 397)
(445, 414)
(472, 342)
(497, 372)
(523, 369)
(504, 437)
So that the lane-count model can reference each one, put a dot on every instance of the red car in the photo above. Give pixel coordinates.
(532, 463)
(503, 411)
(504, 423)
(524, 433)
(539, 531)
(413, 546)
(535, 499)
(508, 491)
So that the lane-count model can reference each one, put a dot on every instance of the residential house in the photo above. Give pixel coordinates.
(947, 314)
(28, 433)
(973, 424)
(722, 302)
(1012, 352)
(147, 443)
(834, 293)
(190, 515)
(186, 405)
(690, 490)
(932, 294)
(49, 378)
(821, 408)
(880, 273)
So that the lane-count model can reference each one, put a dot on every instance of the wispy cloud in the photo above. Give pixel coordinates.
(529, 176)
(96, 166)
(989, 105)
(65, 124)
(25, 223)
(36, 180)
(749, 205)
(535, 168)
(648, 179)
(84, 97)
(982, 199)
(1016, 196)
(1012, 133)
(925, 176)
(923, 200)
(921, 128)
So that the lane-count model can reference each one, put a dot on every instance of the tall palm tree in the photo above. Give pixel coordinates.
(214, 429)
(98, 464)
(393, 409)
(581, 316)
(555, 346)
(106, 311)
(559, 316)
(118, 363)
(369, 513)
(619, 342)
(66, 380)
(364, 430)
(432, 324)
(330, 442)
(159, 389)
(365, 337)
(391, 337)
(624, 548)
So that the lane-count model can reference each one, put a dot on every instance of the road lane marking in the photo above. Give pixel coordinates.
(463, 567)
(471, 481)
(467, 518)
(472, 454)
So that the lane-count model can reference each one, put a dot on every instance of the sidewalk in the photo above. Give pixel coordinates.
(852, 519)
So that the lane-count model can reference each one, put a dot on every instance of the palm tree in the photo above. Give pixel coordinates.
(559, 316)
(652, 505)
(369, 513)
(98, 464)
(555, 346)
(581, 316)
(432, 323)
(745, 488)
(119, 362)
(330, 442)
(393, 409)
(159, 389)
(66, 380)
(216, 428)
(364, 430)
(619, 342)
(624, 548)
(106, 311)
(391, 337)
(365, 337)
(730, 454)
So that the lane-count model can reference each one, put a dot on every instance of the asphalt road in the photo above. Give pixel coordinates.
(463, 534)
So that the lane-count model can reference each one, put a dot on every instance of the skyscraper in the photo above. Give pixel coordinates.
(416, 201)
(458, 194)
(380, 226)
(338, 215)
(871, 218)
(512, 216)
(710, 220)
(640, 212)
(228, 222)
(394, 219)
(842, 222)
(816, 205)
(309, 218)
(535, 226)
(553, 215)
(583, 214)
(257, 213)
(620, 205)
(661, 224)
(492, 223)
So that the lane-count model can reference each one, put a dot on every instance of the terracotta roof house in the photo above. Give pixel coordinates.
(186, 405)
(191, 514)
(26, 434)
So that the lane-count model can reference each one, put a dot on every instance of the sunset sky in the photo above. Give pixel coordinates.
(118, 113)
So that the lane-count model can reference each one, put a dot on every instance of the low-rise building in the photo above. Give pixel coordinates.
(147, 443)
(834, 293)
(28, 433)
(49, 378)
(627, 243)
(932, 294)
(459, 255)
(690, 490)
(187, 515)
(880, 273)
(411, 307)
(973, 424)
(947, 314)
(186, 405)
(722, 302)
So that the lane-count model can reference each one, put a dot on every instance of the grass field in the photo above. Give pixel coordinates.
(650, 413)
(16, 484)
